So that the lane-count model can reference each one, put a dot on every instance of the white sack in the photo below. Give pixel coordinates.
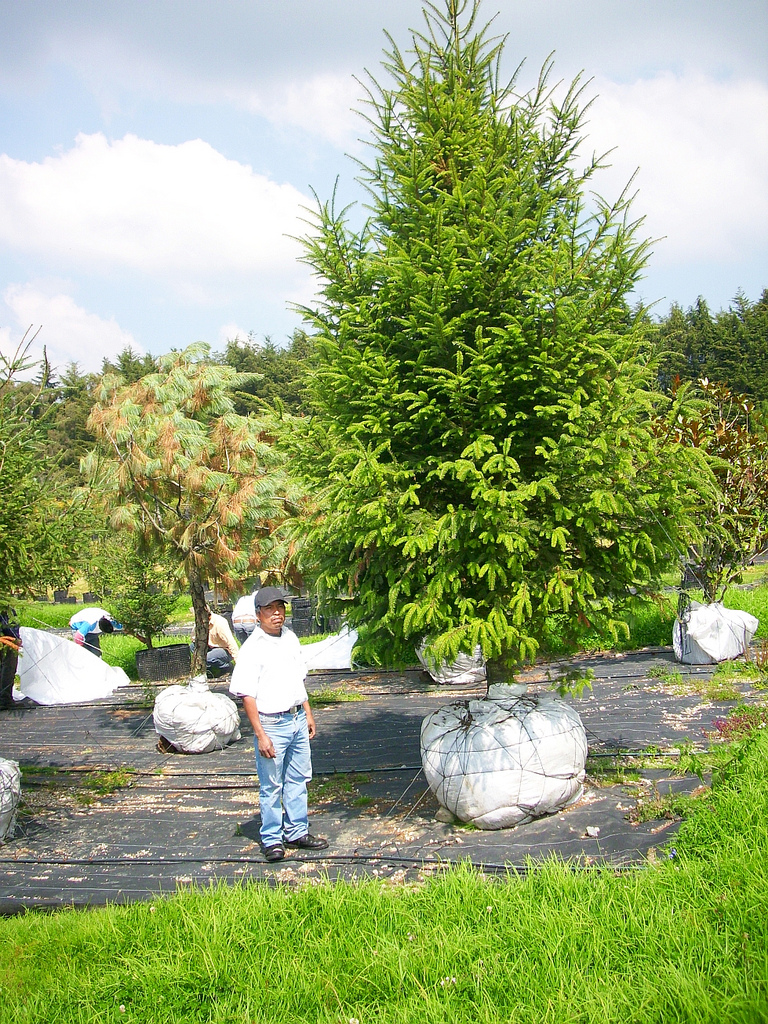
(464, 671)
(10, 794)
(335, 652)
(504, 760)
(195, 720)
(712, 633)
(55, 670)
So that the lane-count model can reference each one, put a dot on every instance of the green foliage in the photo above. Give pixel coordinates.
(38, 521)
(67, 432)
(730, 348)
(276, 375)
(130, 366)
(734, 525)
(481, 447)
(140, 582)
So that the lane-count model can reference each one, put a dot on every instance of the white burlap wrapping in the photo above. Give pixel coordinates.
(466, 670)
(335, 652)
(10, 795)
(53, 670)
(195, 720)
(711, 633)
(504, 760)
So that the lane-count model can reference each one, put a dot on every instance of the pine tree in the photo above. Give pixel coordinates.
(180, 468)
(730, 347)
(276, 374)
(481, 450)
(38, 519)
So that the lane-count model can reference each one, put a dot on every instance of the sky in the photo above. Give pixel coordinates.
(158, 158)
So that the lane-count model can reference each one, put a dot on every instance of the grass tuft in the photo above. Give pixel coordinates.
(719, 687)
(328, 695)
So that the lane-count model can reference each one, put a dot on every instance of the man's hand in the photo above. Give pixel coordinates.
(266, 746)
(311, 727)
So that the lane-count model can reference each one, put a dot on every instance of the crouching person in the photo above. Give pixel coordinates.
(269, 676)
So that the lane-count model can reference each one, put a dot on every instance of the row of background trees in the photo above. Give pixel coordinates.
(729, 347)
(480, 434)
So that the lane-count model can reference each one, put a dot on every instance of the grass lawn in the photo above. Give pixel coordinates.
(683, 940)
(42, 614)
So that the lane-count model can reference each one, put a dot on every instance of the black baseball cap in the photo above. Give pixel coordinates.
(266, 596)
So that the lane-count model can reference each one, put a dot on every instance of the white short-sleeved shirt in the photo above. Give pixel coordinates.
(272, 670)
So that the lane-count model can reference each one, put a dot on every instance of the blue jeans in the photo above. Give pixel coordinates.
(243, 632)
(92, 643)
(283, 778)
(218, 661)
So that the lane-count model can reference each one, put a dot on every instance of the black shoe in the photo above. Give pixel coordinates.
(274, 853)
(308, 842)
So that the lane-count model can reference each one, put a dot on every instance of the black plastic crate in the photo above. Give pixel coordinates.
(301, 627)
(158, 663)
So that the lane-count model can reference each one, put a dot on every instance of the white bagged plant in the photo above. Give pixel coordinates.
(465, 670)
(506, 759)
(709, 633)
(10, 795)
(53, 670)
(194, 720)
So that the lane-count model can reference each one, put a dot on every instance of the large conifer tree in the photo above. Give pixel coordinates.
(480, 446)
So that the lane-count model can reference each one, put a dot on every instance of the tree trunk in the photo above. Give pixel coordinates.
(197, 592)
(498, 671)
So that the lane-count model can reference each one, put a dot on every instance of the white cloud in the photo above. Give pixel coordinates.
(701, 146)
(68, 332)
(184, 212)
(231, 332)
(323, 106)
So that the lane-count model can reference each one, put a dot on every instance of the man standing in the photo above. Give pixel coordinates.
(269, 676)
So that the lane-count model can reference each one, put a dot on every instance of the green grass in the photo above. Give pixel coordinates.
(753, 601)
(717, 688)
(667, 805)
(338, 788)
(650, 624)
(329, 695)
(51, 789)
(315, 638)
(40, 614)
(683, 940)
